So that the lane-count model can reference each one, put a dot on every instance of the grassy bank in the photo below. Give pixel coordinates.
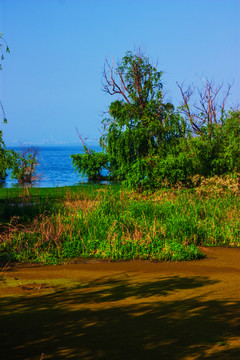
(63, 224)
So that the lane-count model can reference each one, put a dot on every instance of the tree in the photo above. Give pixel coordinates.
(3, 50)
(208, 110)
(231, 140)
(143, 128)
(4, 154)
(148, 143)
(23, 165)
(90, 163)
(215, 132)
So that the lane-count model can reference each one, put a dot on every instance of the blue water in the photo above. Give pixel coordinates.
(55, 167)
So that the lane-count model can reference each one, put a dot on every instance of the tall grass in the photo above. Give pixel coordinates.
(115, 224)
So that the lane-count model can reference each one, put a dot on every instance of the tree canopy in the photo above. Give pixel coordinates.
(142, 126)
(149, 143)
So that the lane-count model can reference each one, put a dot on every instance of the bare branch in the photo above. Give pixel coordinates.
(185, 106)
(110, 85)
(83, 142)
(205, 110)
(225, 98)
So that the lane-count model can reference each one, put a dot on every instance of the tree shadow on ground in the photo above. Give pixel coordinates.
(117, 318)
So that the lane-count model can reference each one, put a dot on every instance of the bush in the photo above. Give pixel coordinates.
(24, 165)
(91, 164)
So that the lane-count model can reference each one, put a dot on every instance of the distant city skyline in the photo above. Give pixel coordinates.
(51, 141)
(51, 80)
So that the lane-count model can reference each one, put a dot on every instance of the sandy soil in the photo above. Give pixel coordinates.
(124, 310)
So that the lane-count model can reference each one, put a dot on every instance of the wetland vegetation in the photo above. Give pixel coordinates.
(56, 225)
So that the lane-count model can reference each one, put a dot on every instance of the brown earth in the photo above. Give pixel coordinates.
(124, 310)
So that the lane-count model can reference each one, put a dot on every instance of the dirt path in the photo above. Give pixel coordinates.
(125, 310)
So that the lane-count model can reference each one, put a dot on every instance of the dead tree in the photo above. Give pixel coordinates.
(208, 109)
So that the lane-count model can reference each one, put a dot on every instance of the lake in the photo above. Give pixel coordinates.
(55, 167)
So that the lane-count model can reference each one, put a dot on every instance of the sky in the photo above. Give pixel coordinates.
(51, 82)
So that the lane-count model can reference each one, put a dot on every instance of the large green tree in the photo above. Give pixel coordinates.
(142, 127)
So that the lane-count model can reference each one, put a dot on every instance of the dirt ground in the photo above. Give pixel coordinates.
(124, 310)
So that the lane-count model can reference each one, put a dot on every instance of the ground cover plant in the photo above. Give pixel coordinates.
(113, 223)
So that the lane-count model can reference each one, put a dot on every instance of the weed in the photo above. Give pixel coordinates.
(118, 225)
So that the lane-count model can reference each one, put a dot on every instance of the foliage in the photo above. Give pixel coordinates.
(216, 151)
(23, 165)
(143, 128)
(3, 48)
(4, 156)
(213, 152)
(207, 109)
(102, 222)
(3, 159)
(91, 164)
(231, 138)
(149, 144)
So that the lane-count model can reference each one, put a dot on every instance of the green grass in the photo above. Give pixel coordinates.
(64, 224)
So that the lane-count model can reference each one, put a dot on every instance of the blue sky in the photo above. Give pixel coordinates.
(51, 81)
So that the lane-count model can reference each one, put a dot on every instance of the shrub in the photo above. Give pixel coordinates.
(91, 164)
(24, 165)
